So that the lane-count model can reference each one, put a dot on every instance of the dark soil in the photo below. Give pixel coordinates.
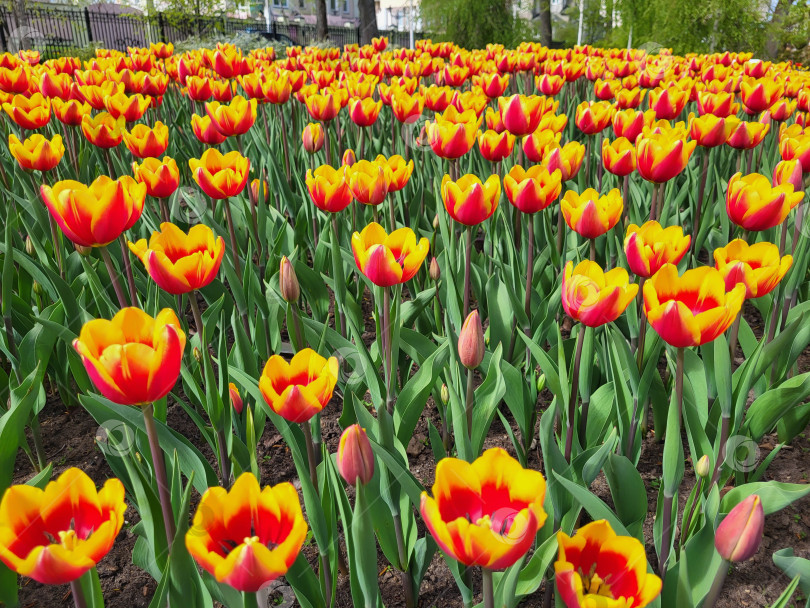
(70, 441)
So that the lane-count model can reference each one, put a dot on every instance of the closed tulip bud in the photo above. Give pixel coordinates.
(739, 535)
(434, 270)
(436, 221)
(355, 458)
(38, 288)
(312, 137)
(471, 341)
(288, 281)
(445, 394)
(541, 383)
(236, 398)
(29, 245)
(349, 157)
(702, 468)
(197, 354)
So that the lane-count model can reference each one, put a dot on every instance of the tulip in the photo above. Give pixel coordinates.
(434, 271)
(619, 156)
(630, 123)
(56, 534)
(143, 141)
(739, 535)
(757, 266)
(788, 172)
(521, 114)
(589, 214)
(205, 130)
(130, 108)
(485, 513)
(471, 347)
(746, 135)
(37, 152)
(794, 143)
(398, 171)
(55, 85)
(593, 116)
(782, 109)
(103, 130)
(594, 297)
(133, 359)
(313, 137)
(437, 98)
(29, 113)
(220, 175)
(596, 567)
(760, 94)
(538, 144)
(234, 118)
(323, 107)
(299, 389)
(388, 259)
(328, 188)
(549, 84)
(668, 103)
(368, 181)
(162, 177)
(468, 200)
(629, 98)
(355, 458)
(180, 262)
(95, 215)
(710, 131)
(236, 398)
(532, 190)
(15, 80)
(288, 281)
(703, 467)
(364, 112)
(649, 246)
(692, 309)
(407, 108)
(753, 204)
(662, 156)
(259, 190)
(493, 120)
(247, 537)
(70, 112)
(493, 85)
(568, 159)
(719, 104)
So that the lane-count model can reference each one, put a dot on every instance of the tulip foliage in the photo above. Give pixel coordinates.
(542, 264)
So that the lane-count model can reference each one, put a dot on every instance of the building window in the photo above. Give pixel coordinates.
(345, 6)
(333, 5)
(281, 3)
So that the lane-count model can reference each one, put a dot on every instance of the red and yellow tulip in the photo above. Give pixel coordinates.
(57, 533)
(594, 297)
(328, 188)
(692, 309)
(756, 266)
(590, 214)
(468, 200)
(532, 190)
(37, 153)
(220, 175)
(103, 130)
(299, 389)
(388, 259)
(596, 567)
(144, 141)
(753, 204)
(485, 513)
(29, 112)
(162, 177)
(619, 156)
(133, 359)
(368, 181)
(663, 155)
(206, 131)
(234, 118)
(247, 537)
(649, 246)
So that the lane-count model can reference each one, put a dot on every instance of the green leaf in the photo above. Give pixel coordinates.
(795, 566)
(775, 495)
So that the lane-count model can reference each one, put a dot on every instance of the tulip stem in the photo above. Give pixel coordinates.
(284, 144)
(717, 585)
(732, 338)
(250, 600)
(337, 275)
(159, 467)
(388, 351)
(119, 291)
(670, 499)
(688, 521)
(487, 591)
(467, 262)
(725, 422)
(469, 409)
(133, 292)
(572, 402)
(232, 234)
(78, 593)
(57, 246)
(527, 302)
(704, 173)
(313, 471)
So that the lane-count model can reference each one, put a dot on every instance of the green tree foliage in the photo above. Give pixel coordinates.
(474, 23)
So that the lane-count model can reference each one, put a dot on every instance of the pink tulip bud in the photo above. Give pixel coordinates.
(788, 172)
(355, 459)
(471, 341)
(236, 399)
(435, 272)
(288, 281)
(739, 535)
(349, 157)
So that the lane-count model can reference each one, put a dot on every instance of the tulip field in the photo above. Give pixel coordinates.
(433, 327)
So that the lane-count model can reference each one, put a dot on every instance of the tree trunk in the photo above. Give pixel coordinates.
(321, 30)
(545, 23)
(774, 41)
(368, 21)
(21, 24)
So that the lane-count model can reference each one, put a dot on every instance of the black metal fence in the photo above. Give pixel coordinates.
(62, 30)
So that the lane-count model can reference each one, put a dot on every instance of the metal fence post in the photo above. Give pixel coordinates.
(162, 26)
(88, 24)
